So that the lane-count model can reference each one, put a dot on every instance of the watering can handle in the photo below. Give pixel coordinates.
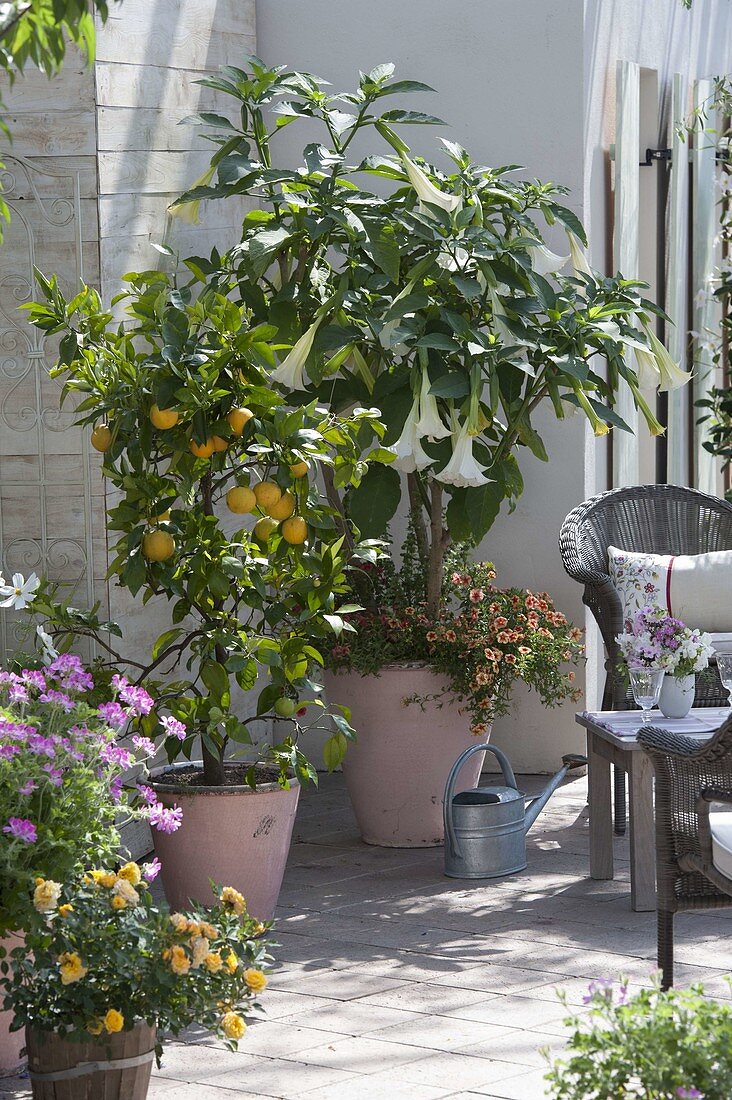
(510, 778)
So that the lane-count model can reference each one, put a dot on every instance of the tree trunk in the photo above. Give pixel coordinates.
(439, 542)
(416, 509)
(213, 758)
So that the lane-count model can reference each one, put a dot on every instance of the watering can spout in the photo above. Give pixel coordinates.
(534, 808)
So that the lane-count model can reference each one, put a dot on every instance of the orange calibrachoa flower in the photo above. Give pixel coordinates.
(483, 638)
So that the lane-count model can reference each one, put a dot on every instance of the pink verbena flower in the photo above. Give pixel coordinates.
(137, 699)
(55, 775)
(34, 679)
(152, 869)
(165, 819)
(148, 794)
(28, 787)
(58, 698)
(113, 715)
(144, 745)
(20, 828)
(173, 728)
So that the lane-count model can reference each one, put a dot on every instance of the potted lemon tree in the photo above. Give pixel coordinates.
(435, 298)
(219, 511)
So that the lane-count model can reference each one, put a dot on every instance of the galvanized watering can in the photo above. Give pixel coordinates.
(485, 828)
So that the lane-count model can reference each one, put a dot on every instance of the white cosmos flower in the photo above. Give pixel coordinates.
(20, 592)
(429, 423)
(50, 653)
(544, 261)
(462, 469)
(290, 371)
(426, 189)
(577, 255)
(410, 455)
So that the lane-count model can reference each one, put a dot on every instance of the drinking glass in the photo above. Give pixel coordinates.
(646, 686)
(724, 664)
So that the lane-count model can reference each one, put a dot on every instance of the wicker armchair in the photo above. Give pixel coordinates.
(657, 519)
(689, 778)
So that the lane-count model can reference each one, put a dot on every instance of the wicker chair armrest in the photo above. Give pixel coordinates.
(703, 807)
(715, 794)
(654, 739)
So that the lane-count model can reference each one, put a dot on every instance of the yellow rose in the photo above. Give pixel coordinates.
(71, 967)
(255, 979)
(232, 963)
(179, 922)
(123, 889)
(64, 910)
(118, 902)
(199, 948)
(179, 961)
(95, 1027)
(46, 895)
(258, 929)
(130, 873)
(213, 962)
(208, 930)
(104, 878)
(114, 1021)
(233, 900)
(233, 1026)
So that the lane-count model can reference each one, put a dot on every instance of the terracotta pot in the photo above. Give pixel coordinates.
(397, 768)
(234, 835)
(11, 1042)
(677, 695)
(116, 1067)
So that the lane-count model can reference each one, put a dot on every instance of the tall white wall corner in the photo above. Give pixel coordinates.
(705, 259)
(626, 250)
(679, 416)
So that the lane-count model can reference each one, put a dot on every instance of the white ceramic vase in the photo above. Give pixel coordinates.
(677, 695)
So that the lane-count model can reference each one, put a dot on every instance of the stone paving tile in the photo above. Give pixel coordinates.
(526, 1086)
(340, 985)
(521, 1048)
(283, 1078)
(198, 1062)
(427, 999)
(356, 1017)
(458, 1071)
(362, 1054)
(440, 1032)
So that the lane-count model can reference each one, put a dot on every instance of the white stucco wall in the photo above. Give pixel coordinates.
(528, 82)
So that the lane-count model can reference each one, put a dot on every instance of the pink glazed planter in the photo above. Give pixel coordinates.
(397, 768)
(234, 835)
(11, 1042)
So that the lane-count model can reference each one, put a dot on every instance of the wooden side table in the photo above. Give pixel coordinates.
(612, 739)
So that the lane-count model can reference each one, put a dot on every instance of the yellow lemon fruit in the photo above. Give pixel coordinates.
(219, 443)
(295, 530)
(164, 418)
(240, 499)
(299, 469)
(238, 419)
(101, 438)
(282, 508)
(202, 450)
(267, 494)
(264, 528)
(158, 546)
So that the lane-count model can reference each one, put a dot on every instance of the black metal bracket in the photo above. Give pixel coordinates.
(655, 154)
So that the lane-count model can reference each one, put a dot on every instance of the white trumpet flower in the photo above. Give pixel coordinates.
(426, 189)
(577, 255)
(429, 424)
(656, 368)
(499, 325)
(544, 261)
(462, 470)
(290, 371)
(410, 455)
(190, 212)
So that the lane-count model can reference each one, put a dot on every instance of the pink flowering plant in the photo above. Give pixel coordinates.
(62, 776)
(674, 1045)
(654, 639)
(483, 638)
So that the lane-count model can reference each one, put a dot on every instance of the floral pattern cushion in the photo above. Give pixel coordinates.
(695, 588)
(641, 580)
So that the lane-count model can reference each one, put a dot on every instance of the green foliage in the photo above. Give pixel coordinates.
(662, 1046)
(484, 639)
(432, 297)
(242, 602)
(99, 943)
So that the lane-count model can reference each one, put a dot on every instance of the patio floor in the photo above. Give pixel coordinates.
(397, 982)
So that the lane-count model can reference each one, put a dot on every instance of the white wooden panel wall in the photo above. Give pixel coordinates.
(705, 258)
(626, 244)
(149, 55)
(678, 433)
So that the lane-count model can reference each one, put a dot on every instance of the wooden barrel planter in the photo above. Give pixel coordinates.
(113, 1067)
